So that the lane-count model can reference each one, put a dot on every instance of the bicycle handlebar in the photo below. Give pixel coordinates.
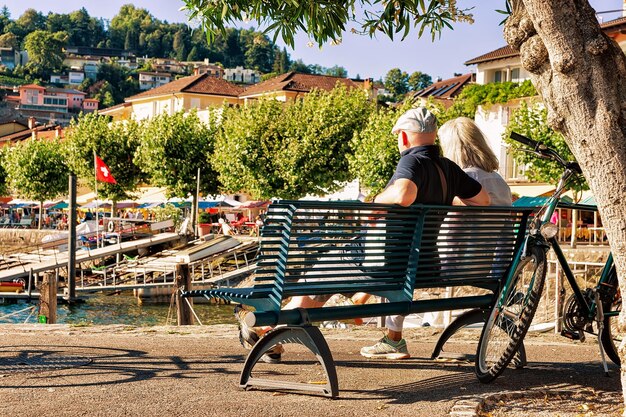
(524, 140)
(543, 151)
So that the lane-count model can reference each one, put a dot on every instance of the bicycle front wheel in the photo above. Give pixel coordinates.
(611, 337)
(511, 317)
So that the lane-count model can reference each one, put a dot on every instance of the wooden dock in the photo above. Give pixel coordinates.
(60, 260)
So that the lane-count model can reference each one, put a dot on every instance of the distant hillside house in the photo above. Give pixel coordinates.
(242, 75)
(291, 85)
(193, 92)
(12, 132)
(88, 59)
(72, 77)
(204, 67)
(53, 104)
(148, 80)
(99, 52)
(171, 66)
(10, 58)
(443, 92)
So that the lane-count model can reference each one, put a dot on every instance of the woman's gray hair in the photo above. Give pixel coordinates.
(464, 143)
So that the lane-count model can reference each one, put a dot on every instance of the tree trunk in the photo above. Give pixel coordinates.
(580, 73)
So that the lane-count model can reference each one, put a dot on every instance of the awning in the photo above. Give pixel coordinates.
(59, 205)
(98, 204)
(127, 204)
(254, 204)
(212, 204)
(149, 205)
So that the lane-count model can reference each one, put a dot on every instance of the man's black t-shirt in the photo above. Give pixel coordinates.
(418, 165)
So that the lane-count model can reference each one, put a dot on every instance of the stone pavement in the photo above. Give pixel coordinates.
(64, 370)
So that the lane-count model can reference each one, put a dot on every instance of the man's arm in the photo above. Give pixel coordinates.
(480, 199)
(403, 192)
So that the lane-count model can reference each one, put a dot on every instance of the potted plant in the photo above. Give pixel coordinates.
(204, 223)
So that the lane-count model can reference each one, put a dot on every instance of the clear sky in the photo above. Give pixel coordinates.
(358, 54)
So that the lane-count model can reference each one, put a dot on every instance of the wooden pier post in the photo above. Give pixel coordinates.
(183, 282)
(71, 241)
(48, 297)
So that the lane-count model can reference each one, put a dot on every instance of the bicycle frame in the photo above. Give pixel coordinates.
(588, 308)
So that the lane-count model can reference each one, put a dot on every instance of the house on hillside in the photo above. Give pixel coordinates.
(10, 58)
(242, 75)
(443, 91)
(205, 67)
(149, 80)
(72, 78)
(292, 85)
(53, 104)
(193, 92)
(170, 66)
(13, 132)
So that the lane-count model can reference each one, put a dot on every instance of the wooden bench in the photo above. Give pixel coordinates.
(311, 248)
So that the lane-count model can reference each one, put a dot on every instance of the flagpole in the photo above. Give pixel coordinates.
(95, 177)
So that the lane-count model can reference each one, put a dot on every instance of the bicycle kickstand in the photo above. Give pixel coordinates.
(600, 321)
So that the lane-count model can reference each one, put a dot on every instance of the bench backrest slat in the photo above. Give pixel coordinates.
(329, 247)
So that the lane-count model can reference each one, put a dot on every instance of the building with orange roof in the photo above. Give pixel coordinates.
(291, 85)
(193, 92)
(58, 104)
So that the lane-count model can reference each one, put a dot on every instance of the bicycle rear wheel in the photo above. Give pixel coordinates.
(611, 337)
(511, 317)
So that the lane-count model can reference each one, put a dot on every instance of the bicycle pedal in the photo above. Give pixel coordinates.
(573, 335)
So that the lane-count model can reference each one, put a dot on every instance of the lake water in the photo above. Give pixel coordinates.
(117, 309)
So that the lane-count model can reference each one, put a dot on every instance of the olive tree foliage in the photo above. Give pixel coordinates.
(531, 119)
(172, 149)
(114, 143)
(326, 21)
(375, 151)
(37, 170)
(288, 150)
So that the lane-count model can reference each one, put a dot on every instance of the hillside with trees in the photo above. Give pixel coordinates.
(134, 29)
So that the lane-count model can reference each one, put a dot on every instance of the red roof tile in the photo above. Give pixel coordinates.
(32, 86)
(200, 84)
(294, 81)
(446, 89)
(500, 53)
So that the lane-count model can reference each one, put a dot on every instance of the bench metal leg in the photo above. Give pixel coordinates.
(306, 335)
(474, 316)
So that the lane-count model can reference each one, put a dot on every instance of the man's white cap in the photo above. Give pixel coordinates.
(418, 120)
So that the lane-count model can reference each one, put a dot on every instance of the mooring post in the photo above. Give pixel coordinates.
(183, 282)
(48, 298)
(71, 241)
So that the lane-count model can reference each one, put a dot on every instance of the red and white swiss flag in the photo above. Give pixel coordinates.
(103, 173)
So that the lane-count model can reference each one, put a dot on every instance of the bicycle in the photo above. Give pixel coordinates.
(509, 320)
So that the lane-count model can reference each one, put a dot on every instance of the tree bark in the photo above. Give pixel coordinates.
(580, 73)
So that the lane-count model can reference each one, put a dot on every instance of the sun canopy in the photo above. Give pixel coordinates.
(98, 204)
(254, 204)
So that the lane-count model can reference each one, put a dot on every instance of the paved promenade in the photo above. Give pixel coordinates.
(193, 371)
